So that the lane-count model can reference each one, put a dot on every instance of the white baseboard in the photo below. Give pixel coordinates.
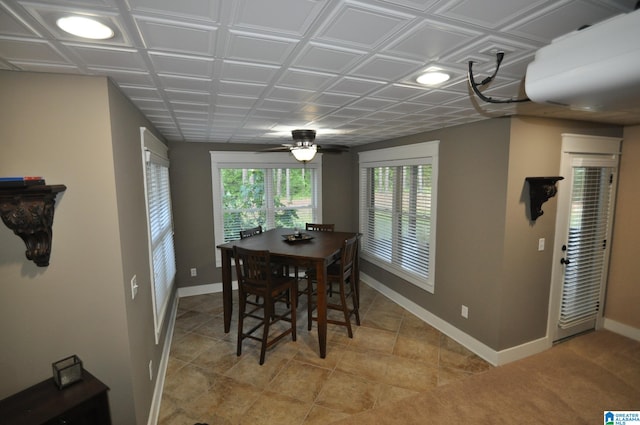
(210, 288)
(154, 411)
(622, 329)
(492, 356)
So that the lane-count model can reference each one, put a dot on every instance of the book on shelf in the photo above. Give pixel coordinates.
(16, 182)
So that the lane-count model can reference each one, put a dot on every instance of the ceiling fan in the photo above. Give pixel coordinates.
(304, 149)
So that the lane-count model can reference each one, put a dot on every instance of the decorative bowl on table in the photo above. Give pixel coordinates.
(300, 237)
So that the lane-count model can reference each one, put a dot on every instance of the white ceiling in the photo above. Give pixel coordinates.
(249, 71)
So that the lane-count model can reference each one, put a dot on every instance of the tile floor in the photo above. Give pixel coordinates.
(392, 355)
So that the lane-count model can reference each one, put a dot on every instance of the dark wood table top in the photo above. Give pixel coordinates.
(323, 246)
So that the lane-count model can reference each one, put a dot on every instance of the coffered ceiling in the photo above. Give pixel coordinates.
(249, 71)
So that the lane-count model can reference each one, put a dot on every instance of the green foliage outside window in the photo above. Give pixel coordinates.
(267, 197)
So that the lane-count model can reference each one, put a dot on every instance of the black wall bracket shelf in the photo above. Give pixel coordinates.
(541, 189)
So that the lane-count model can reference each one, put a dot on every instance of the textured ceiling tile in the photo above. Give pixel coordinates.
(191, 66)
(192, 9)
(169, 36)
(321, 57)
(269, 16)
(185, 83)
(259, 48)
(303, 79)
(29, 50)
(242, 89)
(387, 68)
(430, 40)
(249, 72)
(102, 57)
(362, 26)
(490, 17)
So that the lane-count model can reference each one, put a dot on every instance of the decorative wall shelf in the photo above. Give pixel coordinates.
(28, 211)
(541, 189)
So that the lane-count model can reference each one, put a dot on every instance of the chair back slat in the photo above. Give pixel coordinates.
(247, 233)
(252, 267)
(348, 255)
(318, 227)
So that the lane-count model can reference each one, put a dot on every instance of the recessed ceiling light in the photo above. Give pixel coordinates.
(431, 78)
(85, 27)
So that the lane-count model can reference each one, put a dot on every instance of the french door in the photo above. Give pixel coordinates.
(583, 233)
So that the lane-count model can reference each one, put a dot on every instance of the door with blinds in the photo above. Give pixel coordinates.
(583, 233)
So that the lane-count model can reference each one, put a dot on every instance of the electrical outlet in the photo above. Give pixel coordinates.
(134, 287)
(194, 272)
(541, 244)
(464, 312)
(150, 370)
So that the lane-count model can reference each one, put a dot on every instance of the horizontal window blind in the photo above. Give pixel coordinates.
(590, 204)
(397, 210)
(160, 226)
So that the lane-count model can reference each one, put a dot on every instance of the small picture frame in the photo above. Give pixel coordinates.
(67, 371)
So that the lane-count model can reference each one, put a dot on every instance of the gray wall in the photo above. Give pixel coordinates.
(61, 127)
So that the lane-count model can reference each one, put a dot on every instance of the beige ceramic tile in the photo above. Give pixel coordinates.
(300, 381)
(454, 355)
(381, 319)
(364, 365)
(271, 408)
(322, 416)
(226, 398)
(374, 339)
(422, 349)
(390, 394)
(348, 393)
(190, 346)
(411, 374)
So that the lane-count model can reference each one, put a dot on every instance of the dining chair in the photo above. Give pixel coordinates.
(247, 233)
(255, 277)
(320, 227)
(341, 272)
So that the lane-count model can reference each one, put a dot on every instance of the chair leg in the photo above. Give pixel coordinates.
(309, 303)
(294, 309)
(268, 314)
(242, 305)
(345, 310)
(356, 303)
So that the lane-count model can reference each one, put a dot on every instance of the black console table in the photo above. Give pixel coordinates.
(83, 403)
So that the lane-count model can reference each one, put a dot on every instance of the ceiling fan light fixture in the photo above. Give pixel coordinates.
(304, 152)
(85, 27)
(432, 78)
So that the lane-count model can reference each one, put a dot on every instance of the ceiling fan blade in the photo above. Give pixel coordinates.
(281, 148)
(333, 148)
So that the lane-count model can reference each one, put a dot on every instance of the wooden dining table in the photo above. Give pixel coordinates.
(316, 251)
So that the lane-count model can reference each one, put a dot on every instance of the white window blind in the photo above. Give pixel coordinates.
(160, 225)
(397, 207)
(587, 243)
(268, 189)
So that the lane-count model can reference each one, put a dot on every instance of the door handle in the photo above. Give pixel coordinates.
(565, 261)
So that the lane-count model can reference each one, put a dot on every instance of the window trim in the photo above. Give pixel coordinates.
(408, 155)
(153, 150)
(261, 160)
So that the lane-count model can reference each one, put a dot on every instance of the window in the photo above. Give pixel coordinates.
(398, 210)
(268, 189)
(160, 225)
